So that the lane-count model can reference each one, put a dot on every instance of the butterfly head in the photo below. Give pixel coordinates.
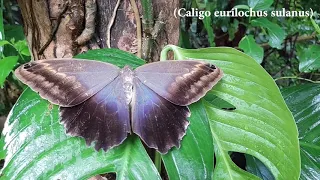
(28, 65)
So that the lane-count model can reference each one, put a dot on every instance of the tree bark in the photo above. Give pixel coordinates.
(64, 28)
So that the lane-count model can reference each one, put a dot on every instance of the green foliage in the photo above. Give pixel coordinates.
(259, 5)
(251, 48)
(243, 113)
(7, 64)
(275, 32)
(309, 58)
(255, 166)
(1, 25)
(304, 102)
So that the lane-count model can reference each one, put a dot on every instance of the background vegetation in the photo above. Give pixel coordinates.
(286, 47)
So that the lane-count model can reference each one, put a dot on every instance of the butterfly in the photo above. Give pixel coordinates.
(103, 103)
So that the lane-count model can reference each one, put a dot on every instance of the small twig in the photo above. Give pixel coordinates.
(110, 24)
(54, 30)
(138, 22)
(295, 77)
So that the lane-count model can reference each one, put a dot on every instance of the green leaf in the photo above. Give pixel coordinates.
(315, 25)
(304, 102)
(20, 45)
(38, 148)
(259, 5)
(251, 48)
(2, 150)
(6, 66)
(261, 125)
(2, 35)
(275, 32)
(256, 167)
(194, 159)
(25, 51)
(13, 33)
(113, 56)
(241, 7)
(3, 42)
(207, 21)
(309, 58)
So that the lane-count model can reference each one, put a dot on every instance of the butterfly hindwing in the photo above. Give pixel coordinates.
(67, 82)
(104, 118)
(180, 82)
(159, 123)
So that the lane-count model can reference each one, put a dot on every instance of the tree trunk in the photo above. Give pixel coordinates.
(64, 28)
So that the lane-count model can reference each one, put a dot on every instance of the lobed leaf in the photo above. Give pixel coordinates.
(261, 125)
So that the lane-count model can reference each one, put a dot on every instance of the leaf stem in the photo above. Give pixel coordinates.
(296, 77)
(157, 161)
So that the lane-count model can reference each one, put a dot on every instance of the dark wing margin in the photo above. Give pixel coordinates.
(158, 122)
(104, 118)
(180, 82)
(67, 82)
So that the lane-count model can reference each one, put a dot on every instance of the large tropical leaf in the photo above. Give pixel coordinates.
(304, 102)
(261, 125)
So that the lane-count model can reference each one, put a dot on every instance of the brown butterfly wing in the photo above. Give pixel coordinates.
(104, 118)
(67, 82)
(180, 82)
(159, 123)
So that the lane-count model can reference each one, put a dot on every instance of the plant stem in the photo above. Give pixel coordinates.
(147, 15)
(157, 161)
(296, 77)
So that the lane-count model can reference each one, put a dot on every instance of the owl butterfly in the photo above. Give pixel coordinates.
(103, 103)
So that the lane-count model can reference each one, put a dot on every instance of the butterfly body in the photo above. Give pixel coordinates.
(103, 103)
(127, 76)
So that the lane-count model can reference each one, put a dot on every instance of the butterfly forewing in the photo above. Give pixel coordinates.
(180, 82)
(104, 118)
(158, 122)
(67, 82)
